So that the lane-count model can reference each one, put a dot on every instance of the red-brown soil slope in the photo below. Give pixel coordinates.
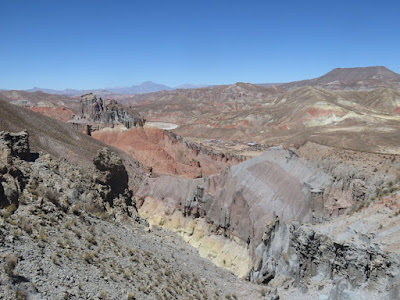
(166, 153)
(62, 114)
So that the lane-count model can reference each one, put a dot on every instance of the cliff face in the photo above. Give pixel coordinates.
(336, 265)
(96, 110)
(248, 218)
(162, 152)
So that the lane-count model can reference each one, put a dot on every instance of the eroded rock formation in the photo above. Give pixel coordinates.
(302, 252)
(249, 218)
(96, 110)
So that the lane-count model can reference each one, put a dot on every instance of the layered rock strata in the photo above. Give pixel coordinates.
(248, 218)
(164, 152)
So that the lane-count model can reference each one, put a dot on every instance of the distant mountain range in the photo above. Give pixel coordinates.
(363, 78)
(145, 87)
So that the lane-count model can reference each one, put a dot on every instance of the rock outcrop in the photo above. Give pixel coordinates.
(17, 144)
(106, 189)
(112, 172)
(248, 218)
(96, 110)
(302, 253)
(13, 178)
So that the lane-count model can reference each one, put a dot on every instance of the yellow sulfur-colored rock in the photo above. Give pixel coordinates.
(222, 251)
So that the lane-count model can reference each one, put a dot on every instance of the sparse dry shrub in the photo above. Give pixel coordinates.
(20, 295)
(43, 236)
(131, 296)
(104, 216)
(78, 233)
(52, 196)
(54, 259)
(88, 257)
(91, 239)
(10, 209)
(10, 264)
(76, 209)
(127, 274)
(17, 233)
(95, 208)
(25, 225)
(60, 243)
(103, 295)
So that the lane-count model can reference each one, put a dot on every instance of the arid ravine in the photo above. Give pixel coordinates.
(267, 219)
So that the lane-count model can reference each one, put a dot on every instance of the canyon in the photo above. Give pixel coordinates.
(313, 213)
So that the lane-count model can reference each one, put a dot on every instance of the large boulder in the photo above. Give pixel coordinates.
(14, 152)
(14, 144)
(112, 172)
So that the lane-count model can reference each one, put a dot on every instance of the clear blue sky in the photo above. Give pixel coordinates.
(94, 44)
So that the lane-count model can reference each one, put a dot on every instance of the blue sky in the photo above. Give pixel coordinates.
(94, 44)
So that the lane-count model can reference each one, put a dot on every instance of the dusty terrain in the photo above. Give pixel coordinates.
(315, 214)
(62, 239)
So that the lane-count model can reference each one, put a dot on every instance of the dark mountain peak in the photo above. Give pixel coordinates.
(360, 73)
(360, 78)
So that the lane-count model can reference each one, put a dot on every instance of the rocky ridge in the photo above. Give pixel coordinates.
(69, 234)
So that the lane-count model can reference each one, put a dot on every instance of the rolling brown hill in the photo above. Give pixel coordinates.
(39, 98)
(361, 120)
(341, 108)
